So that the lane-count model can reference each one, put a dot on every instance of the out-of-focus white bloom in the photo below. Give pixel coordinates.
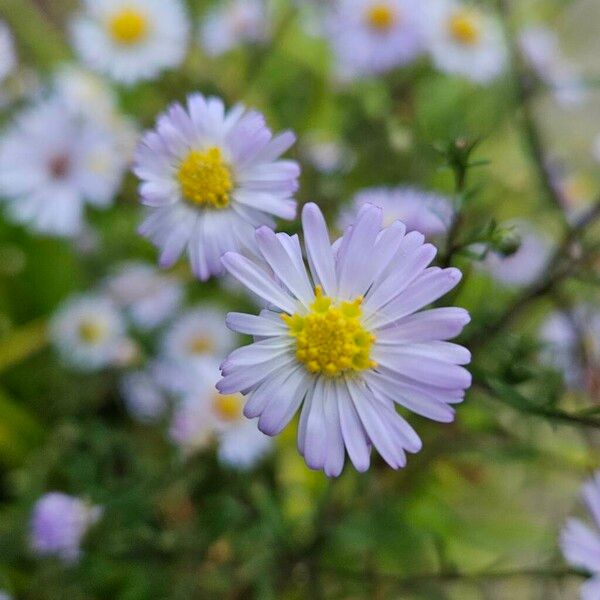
(425, 212)
(198, 333)
(58, 524)
(463, 40)
(89, 332)
(204, 414)
(8, 59)
(526, 264)
(131, 40)
(53, 162)
(580, 543)
(373, 36)
(148, 296)
(541, 50)
(5, 596)
(232, 23)
(144, 400)
(209, 177)
(326, 155)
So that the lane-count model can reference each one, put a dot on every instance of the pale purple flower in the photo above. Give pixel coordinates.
(143, 397)
(345, 341)
(422, 211)
(580, 543)
(209, 177)
(58, 524)
(373, 36)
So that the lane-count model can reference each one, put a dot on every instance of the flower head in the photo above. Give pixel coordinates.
(580, 543)
(143, 397)
(209, 177)
(464, 40)
(346, 342)
(374, 36)
(131, 40)
(58, 524)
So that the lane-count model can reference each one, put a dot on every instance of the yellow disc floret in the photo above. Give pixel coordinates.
(228, 407)
(200, 345)
(128, 26)
(464, 27)
(331, 339)
(90, 331)
(205, 178)
(380, 16)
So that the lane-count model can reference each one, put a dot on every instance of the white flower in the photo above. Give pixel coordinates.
(346, 342)
(148, 297)
(326, 155)
(463, 40)
(422, 211)
(373, 36)
(203, 414)
(209, 177)
(131, 40)
(52, 162)
(89, 332)
(8, 59)
(234, 22)
(198, 333)
(143, 398)
(580, 543)
(526, 264)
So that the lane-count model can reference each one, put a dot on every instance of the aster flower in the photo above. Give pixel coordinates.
(148, 297)
(144, 399)
(232, 23)
(580, 543)
(131, 40)
(89, 333)
(346, 342)
(526, 264)
(203, 414)
(52, 163)
(463, 40)
(58, 524)
(422, 211)
(209, 177)
(8, 59)
(199, 333)
(373, 36)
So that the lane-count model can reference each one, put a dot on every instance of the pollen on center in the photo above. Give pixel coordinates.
(205, 178)
(128, 27)
(464, 27)
(380, 16)
(331, 339)
(228, 407)
(90, 331)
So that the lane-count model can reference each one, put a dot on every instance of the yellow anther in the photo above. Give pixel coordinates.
(128, 26)
(200, 345)
(331, 339)
(380, 16)
(91, 332)
(205, 178)
(464, 27)
(228, 407)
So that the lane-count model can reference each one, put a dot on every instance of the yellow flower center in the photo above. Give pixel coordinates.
(128, 26)
(464, 27)
(380, 17)
(228, 407)
(330, 339)
(205, 178)
(200, 345)
(91, 332)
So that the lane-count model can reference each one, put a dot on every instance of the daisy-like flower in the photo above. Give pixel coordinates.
(580, 543)
(8, 58)
(232, 23)
(209, 177)
(58, 524)
(525, 265)
(89, 333)
(422, 211)
(144, 399)
(199, 333)
(463, 40)
(53, 162)
(374, 36)
(131, 40)
(204, 414)
(326, 155)
(346, 342)
(148, 297)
